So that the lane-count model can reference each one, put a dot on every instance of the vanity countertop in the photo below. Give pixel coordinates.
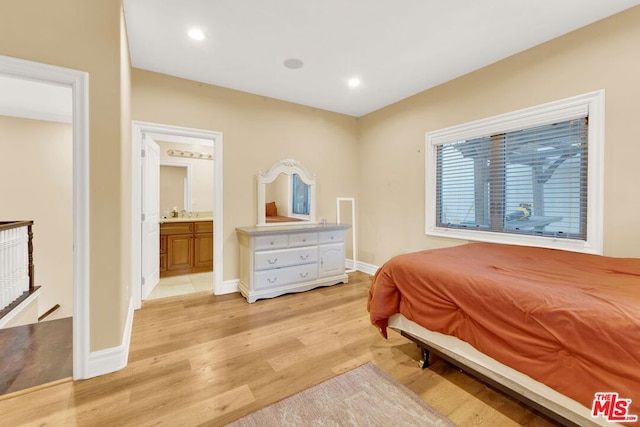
(186, 219)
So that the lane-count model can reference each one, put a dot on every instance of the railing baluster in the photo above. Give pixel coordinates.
(16, 261)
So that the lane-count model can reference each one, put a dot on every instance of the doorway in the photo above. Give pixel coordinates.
(77, 82)
(143, 133)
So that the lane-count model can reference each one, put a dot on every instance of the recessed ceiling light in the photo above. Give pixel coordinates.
(293, 63)
(354, 82)
(196, 34)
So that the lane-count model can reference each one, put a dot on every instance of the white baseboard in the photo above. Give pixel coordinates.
(230, 286)
(115, 358)
(365, 268)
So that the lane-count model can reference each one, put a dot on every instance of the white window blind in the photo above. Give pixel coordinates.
(299, 196)
(528, 181)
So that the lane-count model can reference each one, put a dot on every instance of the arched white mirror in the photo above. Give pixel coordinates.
(286, 195)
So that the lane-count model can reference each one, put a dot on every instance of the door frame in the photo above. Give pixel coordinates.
(170, 133)
(78, 81)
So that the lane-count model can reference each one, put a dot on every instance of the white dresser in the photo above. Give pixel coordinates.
(279, 260)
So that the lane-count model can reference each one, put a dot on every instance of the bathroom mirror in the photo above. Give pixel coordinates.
(175, 186)
(286, 195)
(186, 178)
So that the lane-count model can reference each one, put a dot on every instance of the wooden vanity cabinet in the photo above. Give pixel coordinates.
(203, 245)
(163, 254)
(188, 247)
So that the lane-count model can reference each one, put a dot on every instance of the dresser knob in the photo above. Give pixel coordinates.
(304, 275)
(304, 257)
(272, 281)
(272, 262)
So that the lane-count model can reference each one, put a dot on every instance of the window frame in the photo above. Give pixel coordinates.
(590, 103)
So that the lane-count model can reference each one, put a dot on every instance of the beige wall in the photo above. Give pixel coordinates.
(85, 35)
(257, 132)
(37, 176)
(392, 167)
(202, 176)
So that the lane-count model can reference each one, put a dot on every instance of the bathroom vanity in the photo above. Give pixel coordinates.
(186, 246)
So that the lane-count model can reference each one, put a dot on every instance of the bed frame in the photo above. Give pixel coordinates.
(509, 381)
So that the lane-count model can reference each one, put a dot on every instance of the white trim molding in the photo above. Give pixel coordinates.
(78, 81)
(364, 267)
(229, 287)
(115, 358)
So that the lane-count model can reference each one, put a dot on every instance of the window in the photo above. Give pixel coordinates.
(531, 177)
(299, 196)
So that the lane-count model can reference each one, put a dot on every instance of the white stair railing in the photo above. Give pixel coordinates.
(15, 262)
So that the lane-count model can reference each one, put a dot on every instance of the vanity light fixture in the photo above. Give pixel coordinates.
(354, 82)
(196, 34)
(190, 154)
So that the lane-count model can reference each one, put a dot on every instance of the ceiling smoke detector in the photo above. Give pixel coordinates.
(293, 63)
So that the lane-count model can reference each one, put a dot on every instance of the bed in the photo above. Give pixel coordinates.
(553, 326)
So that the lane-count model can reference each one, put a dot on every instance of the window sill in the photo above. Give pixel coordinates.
(521, 240)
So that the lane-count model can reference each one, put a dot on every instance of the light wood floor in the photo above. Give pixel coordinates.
(202, 359)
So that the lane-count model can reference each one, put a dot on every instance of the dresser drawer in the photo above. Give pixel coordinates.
(284, 276)
(303, 239)
(285, 257)
(334, 236)
(271, 242)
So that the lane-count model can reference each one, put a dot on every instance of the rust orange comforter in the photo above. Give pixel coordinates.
(568, 320)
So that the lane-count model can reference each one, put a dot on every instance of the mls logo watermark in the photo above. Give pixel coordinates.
(612, 408)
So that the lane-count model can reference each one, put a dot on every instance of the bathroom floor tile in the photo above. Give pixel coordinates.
(181, 285)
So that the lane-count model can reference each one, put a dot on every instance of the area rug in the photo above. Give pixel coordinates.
(365, 396)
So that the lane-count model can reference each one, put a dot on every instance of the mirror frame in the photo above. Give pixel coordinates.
(287, 167)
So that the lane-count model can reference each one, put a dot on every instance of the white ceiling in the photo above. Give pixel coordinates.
(35, 100)
(397, 48)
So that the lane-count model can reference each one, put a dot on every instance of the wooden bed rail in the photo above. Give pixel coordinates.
(9, 298)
